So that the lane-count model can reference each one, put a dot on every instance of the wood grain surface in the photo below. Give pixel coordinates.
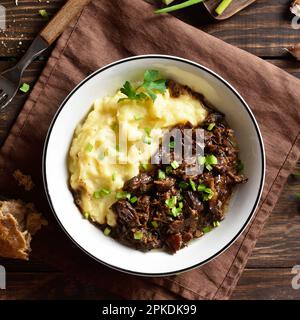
(234, 7)
(264, 29)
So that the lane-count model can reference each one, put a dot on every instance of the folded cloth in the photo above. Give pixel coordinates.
(109, 30)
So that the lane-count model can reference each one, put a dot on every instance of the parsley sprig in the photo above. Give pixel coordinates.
(152, 84)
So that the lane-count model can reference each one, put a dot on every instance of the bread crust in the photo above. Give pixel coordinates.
(18, 222)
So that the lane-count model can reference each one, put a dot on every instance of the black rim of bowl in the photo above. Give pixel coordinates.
(197, 66)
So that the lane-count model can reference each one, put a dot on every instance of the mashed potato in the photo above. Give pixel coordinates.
(97, 157)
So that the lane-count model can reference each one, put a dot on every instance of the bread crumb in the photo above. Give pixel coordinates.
(23, 180)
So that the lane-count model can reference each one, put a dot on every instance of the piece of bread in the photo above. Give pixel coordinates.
(18, 222)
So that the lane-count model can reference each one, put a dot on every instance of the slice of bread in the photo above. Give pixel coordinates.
(18, 222)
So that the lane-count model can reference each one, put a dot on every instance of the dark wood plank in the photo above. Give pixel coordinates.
(23, 23)
(255, 284)
(233, 8)
(279, 243)
(48, 286)
(266, 284)
(33, 265)
(264, 28)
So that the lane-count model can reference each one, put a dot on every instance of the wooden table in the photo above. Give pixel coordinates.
(263, 29)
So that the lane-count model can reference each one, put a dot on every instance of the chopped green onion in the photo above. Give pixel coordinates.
(211, 159)
(113, 176)
(211, 126)
(208, 167)
(105, 191)
(97, 194)
(25, 87)
(208, 190)
(207, 229)
(216, 224)
(201, 187)
(178, 6)
(208, 196)
(176, 211)
(148, 131)
(147, 140)
(172, 144)
(138, 117)
(174, 164)
(123, 195)
(161, 175)
(201, 160)
(138, 235)
(107, 231)
(133, 199)
(239, 166)
(223, 6)
(101, 192)
(183, 185)
(44, 14)
(89, 147)
(154, 224)
(169, 169)
(208, 161)
(193, 185)
(114, 126)
(144, 166)
(171, 202)
(86, 215)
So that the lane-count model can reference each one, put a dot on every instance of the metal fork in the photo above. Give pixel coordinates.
(10, 79)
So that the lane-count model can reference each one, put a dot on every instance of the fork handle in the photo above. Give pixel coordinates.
(62, 19)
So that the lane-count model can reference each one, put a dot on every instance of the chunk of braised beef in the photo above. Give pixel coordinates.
(193, 201)
(165, 184)
(237, 178)
(126, 214)
(143, 204)
(139, 184)
(187, 237)
(214, 117)
(176, 226)
(174, 242)
(142, 207)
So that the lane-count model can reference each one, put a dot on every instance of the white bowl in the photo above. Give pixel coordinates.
(87, 236)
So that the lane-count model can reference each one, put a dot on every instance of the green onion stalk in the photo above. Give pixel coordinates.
(224, 4)
(179, 6)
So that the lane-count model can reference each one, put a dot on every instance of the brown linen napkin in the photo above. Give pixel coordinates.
(109, 30)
